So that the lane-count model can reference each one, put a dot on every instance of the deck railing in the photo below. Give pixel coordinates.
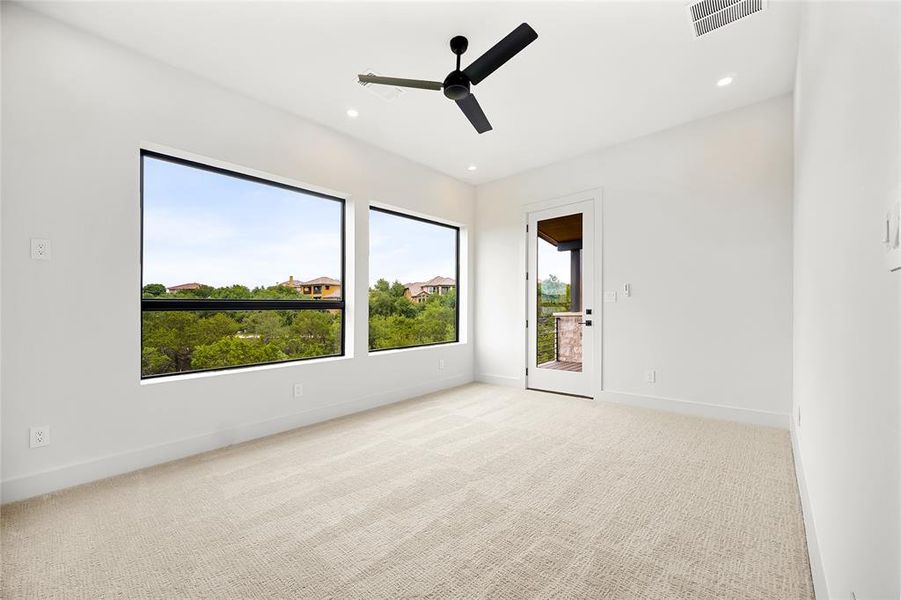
(555, 344)
(547, 338)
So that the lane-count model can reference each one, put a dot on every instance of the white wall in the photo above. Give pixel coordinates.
(76, 110)
(1, 258)
(698, 220)
(846, 303)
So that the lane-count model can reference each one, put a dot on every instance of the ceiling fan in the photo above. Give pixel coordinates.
(456, 85)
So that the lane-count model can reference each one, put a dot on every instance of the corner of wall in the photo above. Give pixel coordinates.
(817, 572)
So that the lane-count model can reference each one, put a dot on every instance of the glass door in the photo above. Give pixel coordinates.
(561, 284)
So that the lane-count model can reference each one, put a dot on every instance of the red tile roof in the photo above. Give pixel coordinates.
(185, 286)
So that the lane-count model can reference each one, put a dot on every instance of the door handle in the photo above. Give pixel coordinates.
(585, 323)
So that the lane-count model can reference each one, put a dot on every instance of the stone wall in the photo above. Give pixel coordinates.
(569, 336)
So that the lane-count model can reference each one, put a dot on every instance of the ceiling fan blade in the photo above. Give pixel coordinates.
(500, 53)
(470, 107)
(410, 83)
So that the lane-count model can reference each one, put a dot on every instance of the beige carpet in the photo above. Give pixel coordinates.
(477, 492)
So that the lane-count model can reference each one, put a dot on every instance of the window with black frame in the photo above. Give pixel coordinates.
(414, 270)
(236, 270)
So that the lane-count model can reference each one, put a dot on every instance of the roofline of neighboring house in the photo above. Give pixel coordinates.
(300, 283)
(186, 286)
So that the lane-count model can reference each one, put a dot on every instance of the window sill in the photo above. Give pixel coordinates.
(412, 348)
(242, 370)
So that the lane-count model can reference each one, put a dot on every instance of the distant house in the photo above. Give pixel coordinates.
(420, 291)
(321, 287)
(184, 287)
(292, 283)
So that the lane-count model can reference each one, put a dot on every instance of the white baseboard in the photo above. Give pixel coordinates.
(499, 379)
(66, 476)
(700, 409)
(810, 531)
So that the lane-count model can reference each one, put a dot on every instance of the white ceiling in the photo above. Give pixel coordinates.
(599, 73)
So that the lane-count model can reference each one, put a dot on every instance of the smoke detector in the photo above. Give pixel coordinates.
(708, 15)
(385, 92)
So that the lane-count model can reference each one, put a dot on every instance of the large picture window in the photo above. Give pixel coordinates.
(414, 272)
(236, 270)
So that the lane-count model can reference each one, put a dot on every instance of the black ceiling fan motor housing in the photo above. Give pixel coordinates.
(456, 85)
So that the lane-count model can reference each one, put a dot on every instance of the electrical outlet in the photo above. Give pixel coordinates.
(298, 390)
(609, 296)
(650, 376)
(39, 436)
(627, 290)
(441, 363)
(40, 249)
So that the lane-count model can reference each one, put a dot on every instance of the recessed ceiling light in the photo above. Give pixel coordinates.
(352, 113)
(471, 168)
(724, 81)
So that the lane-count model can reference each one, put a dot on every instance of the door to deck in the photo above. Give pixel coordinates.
(560, 289)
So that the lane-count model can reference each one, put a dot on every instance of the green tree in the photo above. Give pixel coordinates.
(176, 334)
(231, 351)
(203, 291)
(396, 322)
(167, 333)
(435, 323)
(391, 332)
(387, 299)
(313, 333)
(269, 325)
(231, 292)
(449, 298)
(404, 307)
(398, 289)
(154, 362)
(553, 296)
(210, 328)
(277, 292)
(152, 290)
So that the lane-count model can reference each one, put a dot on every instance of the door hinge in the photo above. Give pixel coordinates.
(527, 371)
(527, 323)
(527, 228)
(527, 275)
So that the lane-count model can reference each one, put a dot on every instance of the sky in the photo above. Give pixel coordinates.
(409, 251)
(552, 262)
(218, 230)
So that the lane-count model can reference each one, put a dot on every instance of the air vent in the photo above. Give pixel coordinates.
(708, 15)
(385, 92)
